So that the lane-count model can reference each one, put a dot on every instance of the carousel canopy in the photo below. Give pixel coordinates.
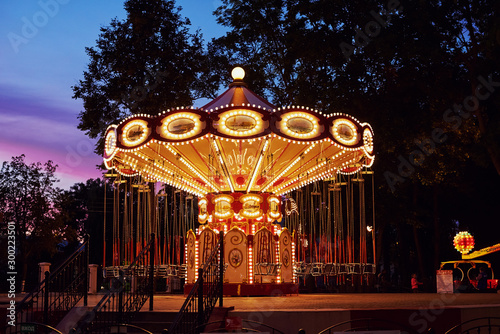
(238, 142)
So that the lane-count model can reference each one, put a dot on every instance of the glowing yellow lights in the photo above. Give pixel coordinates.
(202, 210)
(368, 141)
(225, 198)
(135, 132)
(289, 167)
(294, 278)
(108, 164)
(246, 198)
(110, 142)
(463, 242)
(157, 170)
(345, 131)
(257, 167)
(251, 206)
(223, 207)
(240, 123)
(278, 271)
(239, 152)
(300, 125)
(223, 165)
(181, 126)
(274, 211)
(192, 168)
(197, 259)
(238, 73)
(250, 263)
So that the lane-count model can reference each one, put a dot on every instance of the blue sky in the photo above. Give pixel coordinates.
(42, 54)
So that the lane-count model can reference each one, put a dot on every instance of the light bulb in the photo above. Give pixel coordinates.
(238, 73)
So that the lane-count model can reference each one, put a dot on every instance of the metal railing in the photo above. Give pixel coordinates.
(202, 298)
(122, 328)
(59, 292)
(367, 324)
(477, 325)
(250, 326)
(126, 296)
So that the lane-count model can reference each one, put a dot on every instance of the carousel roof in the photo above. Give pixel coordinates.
(238, 142)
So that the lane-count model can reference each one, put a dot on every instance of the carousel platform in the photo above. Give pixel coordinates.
(254, 290)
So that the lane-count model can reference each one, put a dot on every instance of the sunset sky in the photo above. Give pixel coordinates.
(42, 54)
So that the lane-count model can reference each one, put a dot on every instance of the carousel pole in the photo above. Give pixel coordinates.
(165, 228)
(152, 209)
(373, 222)
(104, 228)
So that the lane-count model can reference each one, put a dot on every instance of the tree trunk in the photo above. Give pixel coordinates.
(416, 239)
(437, 234)
(379, 242)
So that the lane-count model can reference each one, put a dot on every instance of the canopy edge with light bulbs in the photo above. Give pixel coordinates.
(239, 142)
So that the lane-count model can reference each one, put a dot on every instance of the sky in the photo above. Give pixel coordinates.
(42, 54)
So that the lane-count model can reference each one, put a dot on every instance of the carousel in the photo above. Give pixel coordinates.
(290, 188)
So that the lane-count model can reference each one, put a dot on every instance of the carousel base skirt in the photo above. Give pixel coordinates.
(255, 289)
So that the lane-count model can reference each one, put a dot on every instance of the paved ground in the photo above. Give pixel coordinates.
(315, 312)
(333, 301)
(344, 301)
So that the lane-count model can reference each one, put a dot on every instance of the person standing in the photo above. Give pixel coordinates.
(415, 283)
(482, 280)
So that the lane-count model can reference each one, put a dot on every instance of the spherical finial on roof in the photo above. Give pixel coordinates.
(238, 73)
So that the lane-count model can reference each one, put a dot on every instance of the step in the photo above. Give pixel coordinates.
(217, 317)
(153, 321)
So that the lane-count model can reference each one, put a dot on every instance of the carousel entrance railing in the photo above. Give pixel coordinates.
(202, 298)
(127, 294)
(59, 292)
(333, 269)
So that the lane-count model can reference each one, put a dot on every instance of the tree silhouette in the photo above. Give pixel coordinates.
(27, 198)
(425, 75)
(143, 65)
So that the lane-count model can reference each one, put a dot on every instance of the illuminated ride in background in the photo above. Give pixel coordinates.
(464, 242)
(285, 185)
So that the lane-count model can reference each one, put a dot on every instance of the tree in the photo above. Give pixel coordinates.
(27, 197)
(145, 64)
(410, 69)
(88, 205)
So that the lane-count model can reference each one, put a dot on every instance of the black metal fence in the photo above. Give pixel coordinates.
(485, 325)
(121, 328)
(202, 298)
(59, 292)
(246, 326)
(368, 324)
(126, 296)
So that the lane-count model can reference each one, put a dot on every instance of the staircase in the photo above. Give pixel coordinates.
(56, 295)
(126, 296)
(206, 291)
